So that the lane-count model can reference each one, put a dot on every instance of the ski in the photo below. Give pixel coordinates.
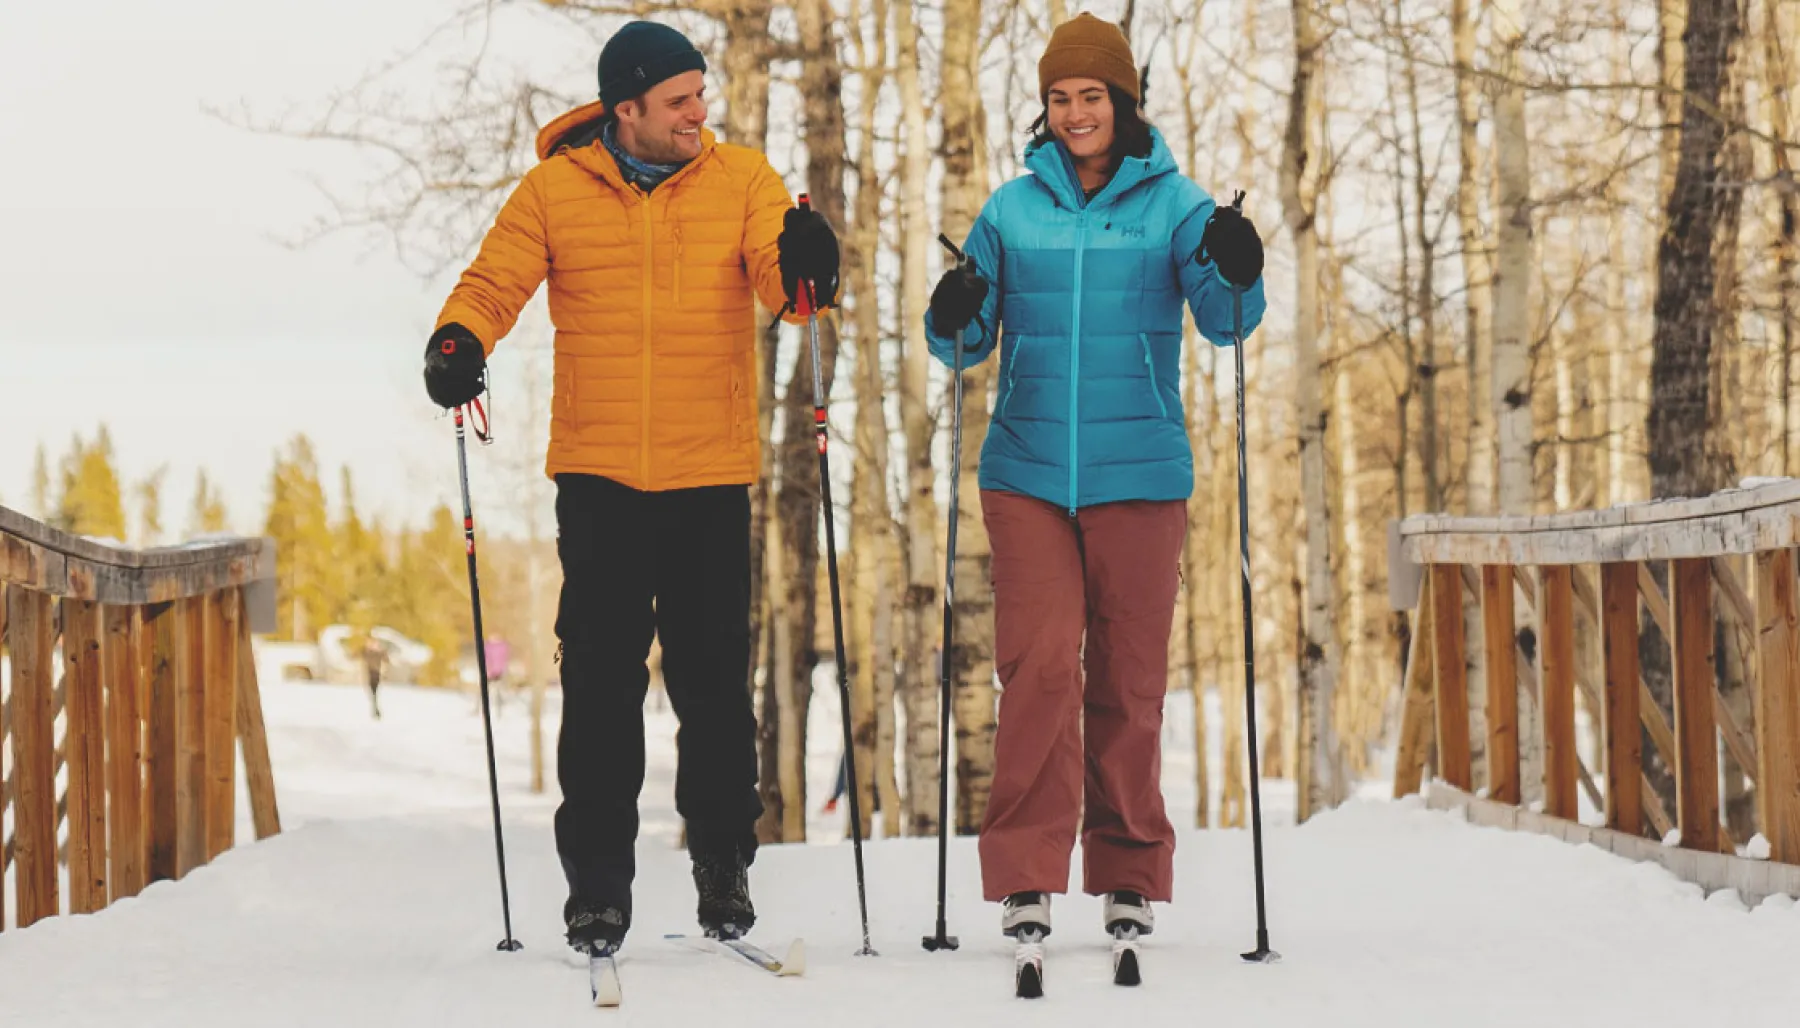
(1125, 956)
(792, 965)
(1028, 963)
(603, 979)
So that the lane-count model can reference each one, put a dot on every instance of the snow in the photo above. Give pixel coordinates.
(379, 906)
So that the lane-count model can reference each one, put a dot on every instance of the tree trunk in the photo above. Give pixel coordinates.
(964, 189)
(1687, 320)
(821, 83)
(1477, 261)
(747, 124)
(1321, 782)
(871, 520)
(1776, 92)
(919, 681)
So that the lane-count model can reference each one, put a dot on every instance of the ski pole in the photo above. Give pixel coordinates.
(508, 944)
(944, 940)
(837, 615)
(1262, 954)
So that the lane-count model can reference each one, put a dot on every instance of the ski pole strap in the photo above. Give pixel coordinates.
(478, 421)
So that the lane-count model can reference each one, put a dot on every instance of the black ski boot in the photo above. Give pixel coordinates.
(722, 881)
(595, 927)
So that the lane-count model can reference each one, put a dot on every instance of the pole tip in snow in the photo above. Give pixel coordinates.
(510, 945)
(1261, 955)
(940, 941)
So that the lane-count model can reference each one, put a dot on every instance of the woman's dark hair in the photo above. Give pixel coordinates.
(1131, 133)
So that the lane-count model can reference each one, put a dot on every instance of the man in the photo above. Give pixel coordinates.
(656, 240)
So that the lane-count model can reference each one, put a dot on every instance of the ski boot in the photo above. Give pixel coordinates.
(1025, 911)
(595, 927)
(1128, 910)
(722, 882)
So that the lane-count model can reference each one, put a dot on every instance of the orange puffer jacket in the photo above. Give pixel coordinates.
(651, 297)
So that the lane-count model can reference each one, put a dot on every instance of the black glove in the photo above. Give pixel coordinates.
(809, 253)
(455, 367)
(957, 299)
(1231, 242)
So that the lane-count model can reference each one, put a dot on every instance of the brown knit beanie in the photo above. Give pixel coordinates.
(1086, 47)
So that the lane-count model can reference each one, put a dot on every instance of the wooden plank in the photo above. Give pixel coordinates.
(1624, 739)
(259, 775)
(84, 740)
(54, 540)
(30, 641)
(125, 751)
(1653, 807)
(1450, 682)
(161, 632)
(1737, 740)
(190, 735)
(44, 560)
(5, 595)
(222, 613)
(1696, 733)
(1778, 704)
(1737, 601)
(1416, 708)
(1556, 656)
(1654, 601)
(1503, 677)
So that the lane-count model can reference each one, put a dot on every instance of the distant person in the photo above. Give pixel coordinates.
(375, 659)
(657, 241)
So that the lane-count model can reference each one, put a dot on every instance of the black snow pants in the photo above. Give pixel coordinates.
(674, 565)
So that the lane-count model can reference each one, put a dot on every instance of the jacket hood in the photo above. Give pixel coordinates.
(1052, 166)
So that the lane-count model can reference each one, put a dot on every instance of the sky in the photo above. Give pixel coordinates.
(144, 271)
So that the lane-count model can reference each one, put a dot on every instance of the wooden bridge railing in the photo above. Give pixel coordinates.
(156, 689)
(1730, 561)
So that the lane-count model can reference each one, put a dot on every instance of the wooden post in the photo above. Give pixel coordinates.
(1556, 656)
(31, 639)
(1778, 704)
(3, 722)
(1450, 682)
(190, 736)
(1502, 683)
(222, 610)
(1624, 737)
(125, 751)
(1416, 708)
(1696, 733)
(259, 775)
(161, 631)
(84, 741)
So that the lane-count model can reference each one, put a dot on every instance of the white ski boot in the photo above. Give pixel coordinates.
(1024, 910)
(1128, 910)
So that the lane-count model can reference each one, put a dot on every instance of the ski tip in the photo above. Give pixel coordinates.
(605, 983)
(1030, 983)
(793, 965)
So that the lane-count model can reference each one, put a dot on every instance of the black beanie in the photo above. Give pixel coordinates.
(639, 56)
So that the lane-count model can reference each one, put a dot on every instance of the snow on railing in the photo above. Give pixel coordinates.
(144, 655)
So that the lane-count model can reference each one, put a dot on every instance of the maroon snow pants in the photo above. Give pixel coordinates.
(1094, 593)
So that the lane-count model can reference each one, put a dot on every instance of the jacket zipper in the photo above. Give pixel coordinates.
(675, 226)
(649, 298)
(1075, 368)
(1150, 366)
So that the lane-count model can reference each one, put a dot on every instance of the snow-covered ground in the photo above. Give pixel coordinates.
(379, 906)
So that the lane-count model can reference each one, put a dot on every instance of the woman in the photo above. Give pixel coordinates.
(1086, 471)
